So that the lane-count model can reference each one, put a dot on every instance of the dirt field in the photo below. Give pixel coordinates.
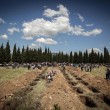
(71, 89)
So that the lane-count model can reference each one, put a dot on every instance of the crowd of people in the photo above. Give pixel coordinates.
(88, 67)
(49, 76)
(83, 67)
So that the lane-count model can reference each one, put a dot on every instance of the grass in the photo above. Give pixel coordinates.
(37, 90)
(32, 97)
(99, 72)
(8, 74)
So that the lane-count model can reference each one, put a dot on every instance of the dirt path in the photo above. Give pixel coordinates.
(59, 92)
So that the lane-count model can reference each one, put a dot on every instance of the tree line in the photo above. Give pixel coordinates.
(28, 55)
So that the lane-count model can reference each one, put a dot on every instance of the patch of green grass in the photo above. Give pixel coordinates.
(37, 90)
(99, 72)
(32, 97)
(7, 74)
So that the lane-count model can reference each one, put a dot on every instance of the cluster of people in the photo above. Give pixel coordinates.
(49, 76)
(108, 74)
(34, 66)
(88, 67)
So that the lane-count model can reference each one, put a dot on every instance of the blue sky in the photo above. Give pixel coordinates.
(61, 25)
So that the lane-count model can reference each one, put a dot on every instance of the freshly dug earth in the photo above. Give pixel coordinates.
(9, 87)
(96, 90)
(98, 82)
(74, 90)
(59, 92)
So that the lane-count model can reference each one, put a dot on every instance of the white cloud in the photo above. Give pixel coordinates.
(81, 17)
(41, 27)
(46, 41)
(4, 36)
(12, 30)
(89, 25)
(93, 32)
(63, 11)
(45, 6)
(27, 38)
(33, 45)
(59, 23)
(95, 50)
(2, 21)
(78, 30)
(13, 24)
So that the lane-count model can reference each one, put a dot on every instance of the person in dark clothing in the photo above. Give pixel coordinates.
(90, 68)
(107, 74)
(29, 66)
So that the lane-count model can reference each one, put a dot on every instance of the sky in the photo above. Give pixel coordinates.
(61, 25)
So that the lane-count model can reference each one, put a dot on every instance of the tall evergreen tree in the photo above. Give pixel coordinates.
(86, 57)
(101, 58)
(66, 58)
(23, 57)
(71, 57)
(91, 56)
(106, 55)
(7, 53)
(18, 56)
(14, 55)
(2, 54)
(98, 57)
(80, 57)
(27, 55)
(76, 59)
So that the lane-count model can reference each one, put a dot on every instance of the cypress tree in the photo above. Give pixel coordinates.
(27, 58)
(7, 53)
(80, 57)
(91, 56)
(98, 57)
(23, 58)
(18, 55)
(101, 58)
(66, 58)
(71, 57)
(14, 55)
(2, 54)
(86, 57)
(76, 59)
(106, 55)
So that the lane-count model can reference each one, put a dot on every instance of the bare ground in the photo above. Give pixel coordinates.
(14, 85)
(59, 92)
(70, 90)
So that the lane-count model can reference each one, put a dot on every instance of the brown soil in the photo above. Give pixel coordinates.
(70, 90)
(96, 90)
(59, 92)
(12, 86)
(98, 82)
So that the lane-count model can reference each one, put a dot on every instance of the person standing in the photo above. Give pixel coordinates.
(107, 74)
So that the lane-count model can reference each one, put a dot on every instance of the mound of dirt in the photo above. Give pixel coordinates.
(98, 82)
(12, 86)
(59, 92)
